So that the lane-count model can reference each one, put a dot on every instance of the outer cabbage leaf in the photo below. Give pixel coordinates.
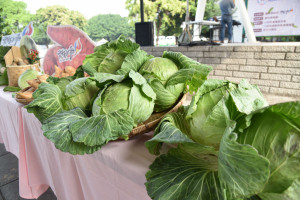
(105, 78)
(81, 93)
(60, 82)
(98, 130)
(275, 133)
(95, 59)
(56, 129)
(183, 61)
(187, 172)
(218, 102)
(4, 78)
(171, 130)
(192, 77)
(292, 193)
(243, 172)
(194, 171)
(133, 61)
(112, 62)
(140, 108)
(89, 69)
(138, 79)
(168, 99)
(47, 102)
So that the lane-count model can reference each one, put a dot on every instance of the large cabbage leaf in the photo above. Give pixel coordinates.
(170, 130)
(98, 130)
(47, 101)
(260, 161)
(56, 129)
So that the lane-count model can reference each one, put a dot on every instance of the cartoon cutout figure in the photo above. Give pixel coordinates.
(72, 47)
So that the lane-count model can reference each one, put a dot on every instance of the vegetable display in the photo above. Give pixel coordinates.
(119, 94)
(231, 145)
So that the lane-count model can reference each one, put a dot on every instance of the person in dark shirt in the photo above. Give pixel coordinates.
(226, 10)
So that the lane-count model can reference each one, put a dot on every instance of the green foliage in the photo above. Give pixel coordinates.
(55, 15)
(109, 26)
(3, 51)
(15, 16)
(169, 15)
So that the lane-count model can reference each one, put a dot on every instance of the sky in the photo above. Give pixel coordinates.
(88, 8)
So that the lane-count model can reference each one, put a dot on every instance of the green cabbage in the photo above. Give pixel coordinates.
(29, 74)
(133, 94)
(170, 74)
(230, 145)
(117, 57)
(80, 116)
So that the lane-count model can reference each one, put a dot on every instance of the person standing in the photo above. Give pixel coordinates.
(226, 7)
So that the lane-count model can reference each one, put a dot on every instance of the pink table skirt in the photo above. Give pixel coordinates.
(117, 171)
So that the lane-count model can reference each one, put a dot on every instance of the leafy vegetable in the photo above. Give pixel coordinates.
(29, 74)
(257, 155)
(56, 129)
(117, 57)
(88, 112)
(215, 104)
(47, 101)
(168, 76)
(133, 94)
(4, 78)
(11, 89)
(80, 93)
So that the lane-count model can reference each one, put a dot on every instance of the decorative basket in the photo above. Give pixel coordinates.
(154, 119)
(14, 71)
(24, 101)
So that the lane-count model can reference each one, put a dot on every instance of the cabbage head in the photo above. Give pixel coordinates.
(217, 103)
(132, 94)
(80, 93)
(117, 57)
(170, 75)
(158, 71)
(29, 74)
(229, 145)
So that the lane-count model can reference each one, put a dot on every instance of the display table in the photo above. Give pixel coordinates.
(116, 171)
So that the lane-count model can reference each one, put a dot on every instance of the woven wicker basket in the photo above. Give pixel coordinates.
(154, 119)
(14, 72)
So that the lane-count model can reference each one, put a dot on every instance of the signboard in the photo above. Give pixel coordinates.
(274, 17)
(14, 39)
(72, 45)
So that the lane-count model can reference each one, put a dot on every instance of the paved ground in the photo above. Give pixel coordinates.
(9, 180)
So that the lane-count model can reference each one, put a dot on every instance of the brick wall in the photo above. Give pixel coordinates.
(274, 68)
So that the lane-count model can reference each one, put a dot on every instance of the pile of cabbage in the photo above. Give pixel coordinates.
(230, 144)
(126, 85)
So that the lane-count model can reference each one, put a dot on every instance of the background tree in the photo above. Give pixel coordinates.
(15, 15)
(55, 15)
(109, 26)
(169, 15)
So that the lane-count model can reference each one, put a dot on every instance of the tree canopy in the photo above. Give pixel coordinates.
(15, 16)
(109, 26)
(55, 15)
